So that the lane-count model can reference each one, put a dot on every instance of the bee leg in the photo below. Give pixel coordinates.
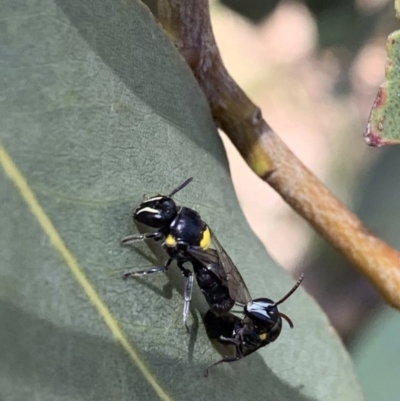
(188, 292)
(130, 239)
(232, 341)
(161, 269)
(188, 298)
(227, 359)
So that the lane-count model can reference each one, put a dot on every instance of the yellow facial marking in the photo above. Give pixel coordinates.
(170, 241)
(206, 240)
(263, 336)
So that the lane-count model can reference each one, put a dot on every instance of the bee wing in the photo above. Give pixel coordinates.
(211, 260)
(237, 287)
(225, 269)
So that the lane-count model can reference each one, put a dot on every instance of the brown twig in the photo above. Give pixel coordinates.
(187, 22)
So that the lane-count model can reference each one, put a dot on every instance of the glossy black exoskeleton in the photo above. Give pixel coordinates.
(261, 325)
(187, 238)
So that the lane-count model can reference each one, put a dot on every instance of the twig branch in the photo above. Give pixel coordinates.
(187, 22)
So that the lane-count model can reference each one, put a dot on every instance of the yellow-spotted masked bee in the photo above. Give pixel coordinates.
(187, 238)
(261, 325)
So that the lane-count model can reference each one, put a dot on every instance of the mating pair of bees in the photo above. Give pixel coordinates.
(187, 238)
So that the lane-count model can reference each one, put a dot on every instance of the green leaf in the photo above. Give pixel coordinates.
(384, 122)
(377, 350)
(97, 108)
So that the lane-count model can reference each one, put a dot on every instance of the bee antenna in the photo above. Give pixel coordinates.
(291, 291)
(287, 318)
(180, 187)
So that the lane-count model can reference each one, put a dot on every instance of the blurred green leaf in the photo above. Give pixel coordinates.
(98, 108)
(383, 124)
(376, 356)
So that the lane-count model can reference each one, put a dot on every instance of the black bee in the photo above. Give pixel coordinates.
(187, 238)
(261, 325)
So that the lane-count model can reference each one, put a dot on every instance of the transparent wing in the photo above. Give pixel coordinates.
(220, 262)
(236, 285)
(211, 260)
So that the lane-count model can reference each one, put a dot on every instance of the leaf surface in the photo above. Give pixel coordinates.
(97, 109)
(383, 126)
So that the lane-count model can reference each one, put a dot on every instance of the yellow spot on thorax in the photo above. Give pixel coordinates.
(170, 241)
(263, 336)
(206, 240)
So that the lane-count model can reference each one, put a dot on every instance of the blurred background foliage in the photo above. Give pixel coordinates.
(314, 68)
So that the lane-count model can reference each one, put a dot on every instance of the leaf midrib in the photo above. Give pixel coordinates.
(38, 212)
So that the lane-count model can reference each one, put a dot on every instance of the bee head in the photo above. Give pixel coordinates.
(157, 211)
(264, 313)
